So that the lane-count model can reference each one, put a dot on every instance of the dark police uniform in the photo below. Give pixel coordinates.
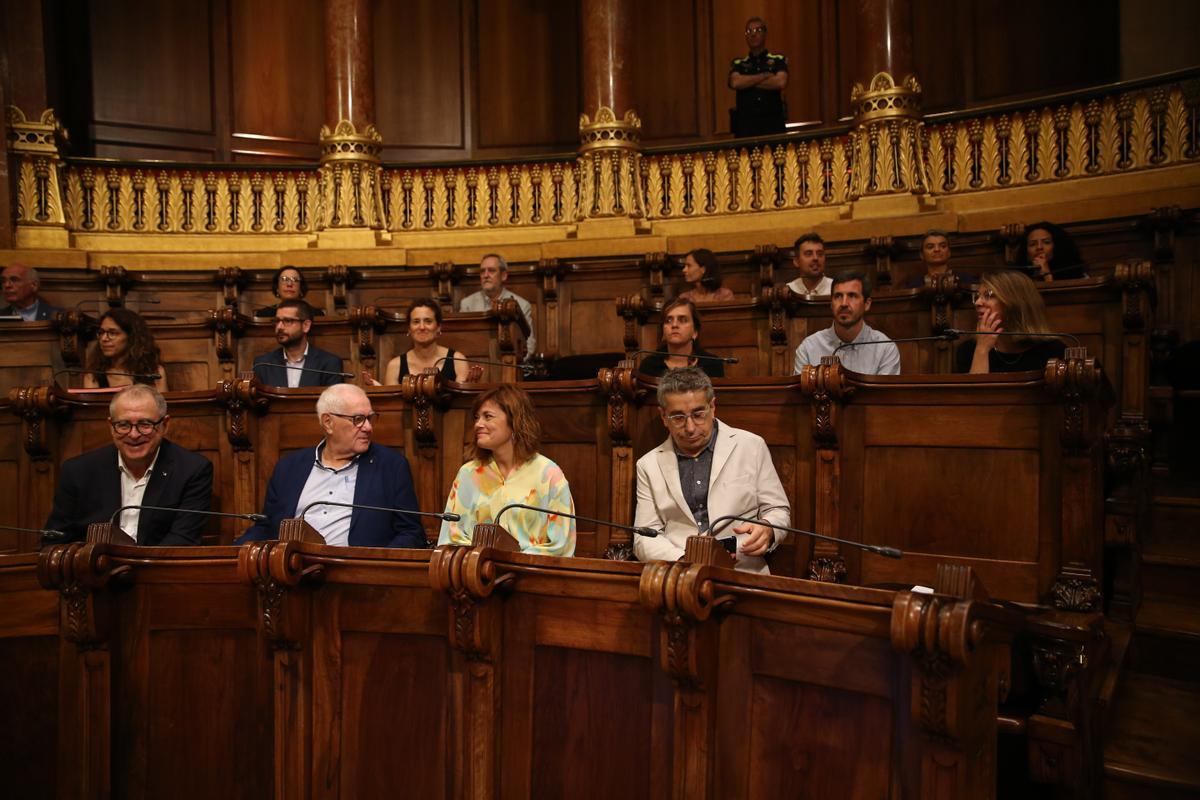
(759, 111)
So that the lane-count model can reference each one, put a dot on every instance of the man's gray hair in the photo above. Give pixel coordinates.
(498, 257)
(333, 400)
(682, 381)
(139, 390)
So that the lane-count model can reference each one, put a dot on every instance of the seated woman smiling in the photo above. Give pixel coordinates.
(424, 330)
(124, 353)
(1008, 302)
(505, 467)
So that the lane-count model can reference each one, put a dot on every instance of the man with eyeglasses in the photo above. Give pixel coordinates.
(705, 470)
(140, 467)
(493, 274)
(344, 467)
(22, 291)
(759, 80)
(297, 362)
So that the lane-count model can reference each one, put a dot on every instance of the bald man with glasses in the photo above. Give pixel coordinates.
(344, 467)
(140, 467)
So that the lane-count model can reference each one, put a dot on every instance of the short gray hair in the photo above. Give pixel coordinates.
(682, 381)
(139, 389)
(334, 398)
(498, 257)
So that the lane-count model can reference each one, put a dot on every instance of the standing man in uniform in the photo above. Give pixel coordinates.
(759, 80)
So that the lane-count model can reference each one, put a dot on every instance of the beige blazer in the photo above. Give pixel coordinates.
(743, 481)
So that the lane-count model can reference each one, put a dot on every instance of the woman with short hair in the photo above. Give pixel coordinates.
(424, 330)
(505, 467)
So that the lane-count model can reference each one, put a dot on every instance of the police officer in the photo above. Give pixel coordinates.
(759, 80)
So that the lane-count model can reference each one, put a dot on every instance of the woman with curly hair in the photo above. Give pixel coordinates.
(703, 272)
(124, 344)
(1008, 301)
(1050, 254)
(506, 467)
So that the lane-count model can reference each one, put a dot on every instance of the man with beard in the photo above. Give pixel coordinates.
(850, 301)
(296, 362)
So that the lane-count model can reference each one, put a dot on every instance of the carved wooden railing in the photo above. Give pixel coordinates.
(1107, 130)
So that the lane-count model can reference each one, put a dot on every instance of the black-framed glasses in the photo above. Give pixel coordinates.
(108, 333)
(679, 419)
(358, 420)
(287, 321)
(144, 426)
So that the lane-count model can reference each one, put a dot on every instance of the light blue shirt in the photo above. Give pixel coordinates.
(335, 485)
(868, 359)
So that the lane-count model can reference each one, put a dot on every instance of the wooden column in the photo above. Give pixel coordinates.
(883, 37)
(349, 63)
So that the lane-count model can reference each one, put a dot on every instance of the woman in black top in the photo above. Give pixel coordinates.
(288, 284)
(1008, 301)
(124, 344)
(681, 338)
(424, 328)
(1050, 254)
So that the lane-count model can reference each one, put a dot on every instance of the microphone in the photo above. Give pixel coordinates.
(638, 530)
(698, 357)
(251, 517)
(525, 368)
(878, 549)
(78, 371)
(153, 300)
(48, 536)
(939, 338)
(285, 365)
(444, 516)
(954, 333)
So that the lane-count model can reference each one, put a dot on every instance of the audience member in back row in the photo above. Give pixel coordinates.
(809, 257)
(424, 328)
(296, 362)
(505, 467)
(493, 274)
(701, 270)
(935, 255)
(22, 291)
(681, 338)
(124, 353)
(288, 284)
(850, 301)
(1008, 302)
(1050, 254)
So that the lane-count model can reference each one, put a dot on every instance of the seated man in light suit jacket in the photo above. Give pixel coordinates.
(345, 467)
(705, 470)
(296, 362)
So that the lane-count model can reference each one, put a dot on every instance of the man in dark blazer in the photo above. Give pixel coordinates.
(345, 467)
(22, 288)
(140, 467)
(296, 362)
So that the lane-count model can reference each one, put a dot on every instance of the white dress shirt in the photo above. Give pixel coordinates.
(294, 375)
(132, 491)
(335, 485)
(823, 288)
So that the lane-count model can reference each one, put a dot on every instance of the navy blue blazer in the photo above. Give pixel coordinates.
(269, 367)
(89, 490)
(384, 479)
(44, 311)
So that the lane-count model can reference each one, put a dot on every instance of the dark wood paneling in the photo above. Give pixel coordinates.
(152, 64)
(29, 693)
(419, 90)
(527, 71)
(278, 75)
(667, 69)
(943, 57)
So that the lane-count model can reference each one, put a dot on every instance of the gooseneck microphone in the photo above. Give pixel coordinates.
(954, 333)
(443, 516)
(525, 368)
(697, 356)
(286, 365)
(939, 338)
(47, 535)
(232, 515)
(878, 549)
(149, 376)
(633, 528)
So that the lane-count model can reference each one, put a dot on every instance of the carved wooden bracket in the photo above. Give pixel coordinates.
(620, 386)
(227, 326)
(33, 404)
(944, 290)
(1163, 223)
(232, 281)
(341, 278)
(767, 257)
(884, 249)
(1136, 279)
(684, 595)
(444, 275)
(635, 310)
(1077, 381)
(80, 573)
(551, 271)
(1065, 647)
(1012, 237)
(773, 298)
(1076, 589)
(368, 322)
(274, 568)
(656, 266)
(825, 385)
(243, 403)
(469, 575)
(74, 329)
(116, 284)
(1126, 449)
(510, 320)
(424, 392)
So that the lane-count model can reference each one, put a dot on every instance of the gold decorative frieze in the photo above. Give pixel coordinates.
(608, 170)
(349, 178)
(887, 141)
(35, 148)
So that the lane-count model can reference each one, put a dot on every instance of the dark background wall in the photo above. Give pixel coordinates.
(243, 80)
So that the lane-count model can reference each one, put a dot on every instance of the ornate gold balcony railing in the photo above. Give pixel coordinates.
(1108, 131)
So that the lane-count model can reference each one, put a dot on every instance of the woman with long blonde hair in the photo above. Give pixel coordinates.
(1006, 303)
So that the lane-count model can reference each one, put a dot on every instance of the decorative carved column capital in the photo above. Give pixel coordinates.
(1076, 379)
(36, 147)
(80, 573)
(349, 178)
(609, 165)
(887, 138)
(243, 405)
(469, 575)
(684, 595)
(34, 404)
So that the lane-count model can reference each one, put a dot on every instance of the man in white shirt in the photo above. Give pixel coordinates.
(493, 273)
(809, 257)
(850, 301)
(22, 288)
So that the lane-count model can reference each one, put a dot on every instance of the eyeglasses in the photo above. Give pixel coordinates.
(108, 333)
(144, 426)
(678, 420)
(983, 294)
(358, 420)
(289, 280)
(287, 321)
